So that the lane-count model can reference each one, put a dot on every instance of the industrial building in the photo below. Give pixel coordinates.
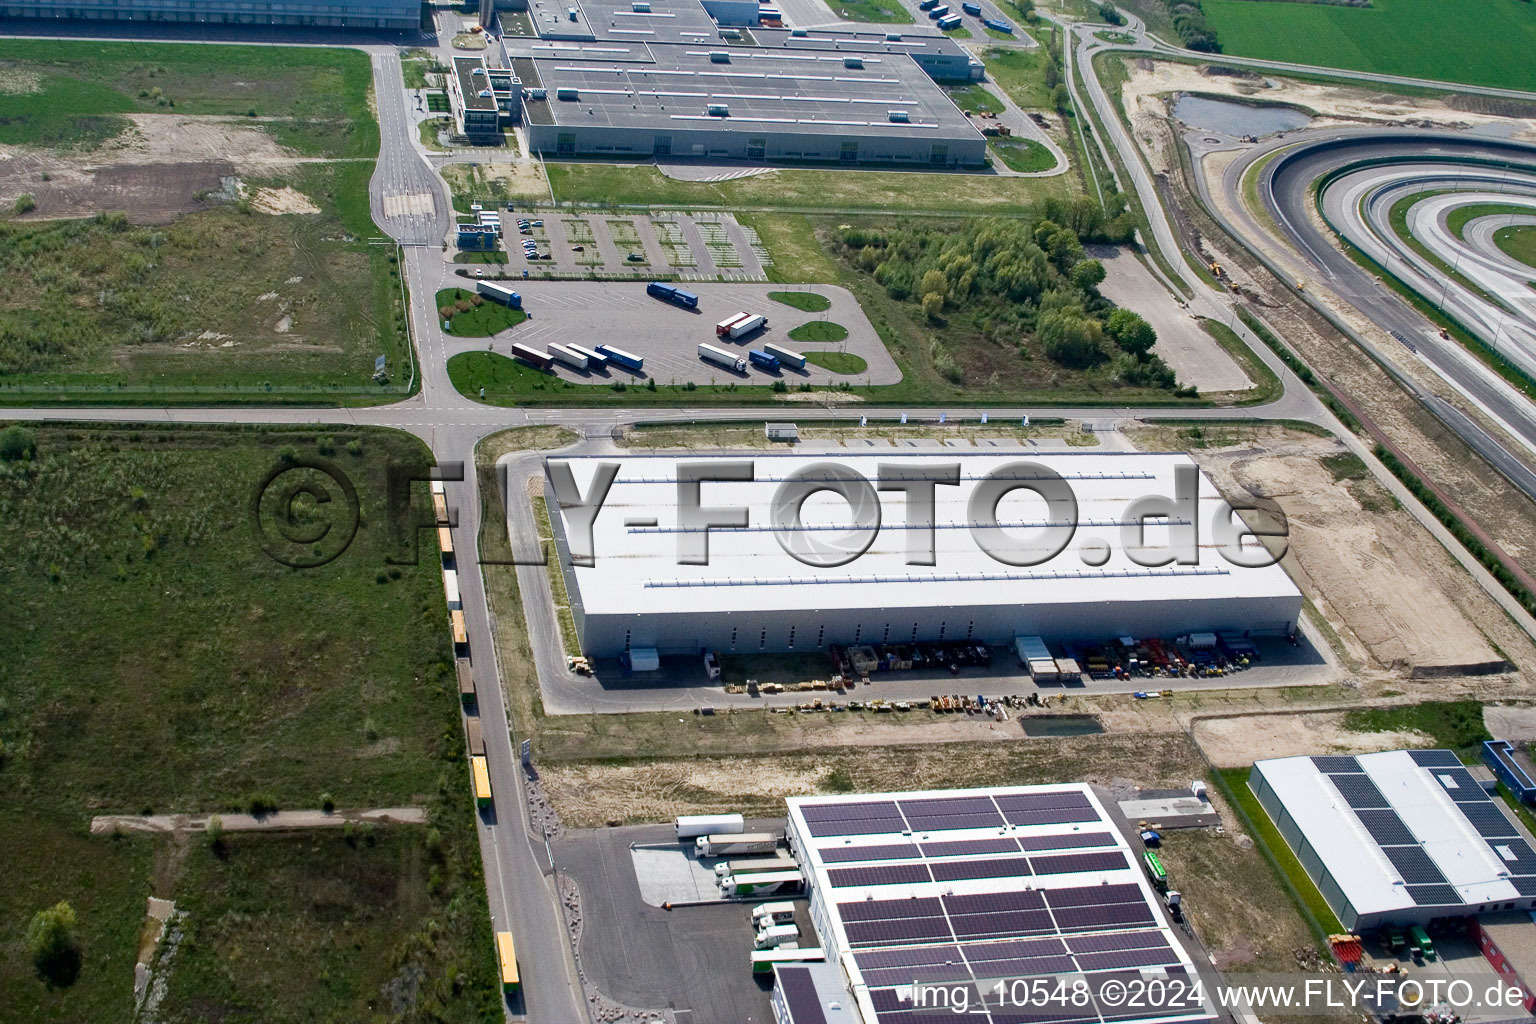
(1511, 762)
(475, 111)
(753, 595)
(390, 15)
(959, 889)
(663, 78)
(1401, 837)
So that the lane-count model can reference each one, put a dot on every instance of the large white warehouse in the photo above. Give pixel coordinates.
(924, 547)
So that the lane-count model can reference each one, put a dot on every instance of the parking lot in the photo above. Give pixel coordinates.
(694, 960)
(689, 247)
(667, 337)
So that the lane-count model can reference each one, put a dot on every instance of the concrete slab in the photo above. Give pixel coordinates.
(1184, 811)
(672, 874)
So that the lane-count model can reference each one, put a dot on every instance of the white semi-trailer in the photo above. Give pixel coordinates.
(720, 357)
(691, 826)
(740, 325)
(776, 935)
(766, 884)
(780, 861)
(737, 845)
(570, 357)
(772, 913)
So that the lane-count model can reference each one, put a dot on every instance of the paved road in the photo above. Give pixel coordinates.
(408, 200)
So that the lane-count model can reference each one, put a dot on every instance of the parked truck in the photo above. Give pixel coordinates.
(997, 25)
(499, 293)
(763, 960)
(776, 935)
(531, 356)
(690, 826)
(671, 293)
(786, 356)
(949, 21)
(763, 360)
(618, 356)
(569, 356)
(780, 861)
(595, 359)
(971, 9)
(740, 325)
(941, 11)
(765, 884)
(772, 913)
(737, 844)
(720, 357)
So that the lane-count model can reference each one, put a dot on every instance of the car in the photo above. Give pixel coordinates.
(479, 271)
(578, 248)
(635, 257)
(538, 223)
(510, 207)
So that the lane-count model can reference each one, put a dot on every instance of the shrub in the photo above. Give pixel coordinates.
(24, 204)
(837, 780)
(52, 944)
(17, 443)
(261, 804)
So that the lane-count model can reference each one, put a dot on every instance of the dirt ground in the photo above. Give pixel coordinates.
(162, 166)
(1236, 742)
(1333, 104)
(524, 177)
(1510, 723)
(1392, 594)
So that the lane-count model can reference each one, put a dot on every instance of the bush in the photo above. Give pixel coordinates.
(933, 305)
(52, 944)
(17, 443)
(261, 804)
(24, 204)
(1132, 333)
(837, 780)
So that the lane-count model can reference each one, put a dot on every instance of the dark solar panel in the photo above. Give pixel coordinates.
(1416, 866)
(881, 874)
(1067, 862)
(1433, 895)
(1489, 820)
(849, 812)
(894, 976)
(1359, 791)
(1044, 1015)
(1524, 886)
(1093, 895)
(1125, 958)
(1337, 765)
(879, 910)
(800, 996)
(969, 848)
(1118, 915)
(949, 805)
(1010, 970)
(1386, 828)
(1515, 855)
(1001, 925)
(895, 933)
(981, 903)
(980, 952)
(1066, 841)
(856, 826)
(1435, 759)
(911, 957)
(1127, 940)
(883, 851)
(998, 867)
(1050, 815)
(1039, 801)
(1458, 782)
(938, 822)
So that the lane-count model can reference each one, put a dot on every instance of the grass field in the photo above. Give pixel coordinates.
(808, 189)
(1026, 156)
(65, 93)
(975, 98)
(809, 302)
(837, 362)
(210, 673)
(1481, 42)
(476, 256)
(480, 321)
(798, 257)
(226, 303)
(879, 12)
(1021, 73)
(1519, 242)
(1455, 725)
(819, 330)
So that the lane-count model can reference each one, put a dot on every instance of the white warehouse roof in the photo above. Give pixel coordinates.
(966, 887)
(1402, 834)
(637, 536)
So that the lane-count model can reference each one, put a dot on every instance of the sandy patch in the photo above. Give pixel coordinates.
(1150, 80)
(16, 81)
(1234, 742)
(281, 200)
(1510, 723)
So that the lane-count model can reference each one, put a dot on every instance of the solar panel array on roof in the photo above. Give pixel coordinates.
(1489, 820)
(1062, 863)
(1516, 855)
(869, 818)
(883, 874)
(1416, 866)
(1435, 758)
(1524, 886)
(1337, 765)
(1459, 783)
(1434, 895)
(1065, 841)
(800, 995)
(997, 867)
(1359, 791)
(1386, 827)
(885, 851)
(970, 848)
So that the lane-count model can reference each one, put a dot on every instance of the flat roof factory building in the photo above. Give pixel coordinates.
(757, 592)
(1400, 837)
(944, 890)
(393, 15)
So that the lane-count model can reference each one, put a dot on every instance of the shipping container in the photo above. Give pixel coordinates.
(640, 659)
(451, 589)
(460, 634)
(787, 356)
(563, 354)
(763, 360)
(482, 776)
(440, 508)
(741, 325)
(531, 356)
(500, 293)
(669, 293)
(720, 357)
(952, 21)
(507, 954)
(445, 540)
(691, 826)
(475, 737)
(595, 359)
(723, 328)
(625, 359)
(466, 680)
